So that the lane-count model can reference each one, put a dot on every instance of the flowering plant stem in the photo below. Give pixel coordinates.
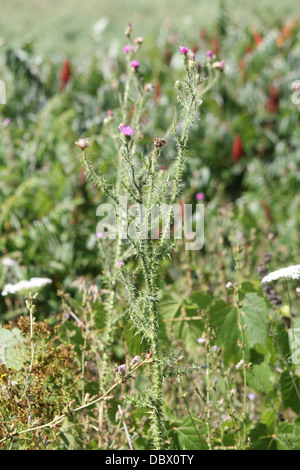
(143, 188)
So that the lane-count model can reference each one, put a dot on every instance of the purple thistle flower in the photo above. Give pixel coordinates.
(126, 130)
(200, 197)
(161, 167)
(135, 64)
(6, 121)
(209, 53)
(184, 50)
(128, 48)
(120, 263)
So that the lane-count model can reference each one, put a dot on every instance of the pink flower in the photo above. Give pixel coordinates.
(6, 121)
(209, 54)
(201, 340)
(128, 48)
(126, 130)
(200, 197)
(184, 50)
(99, 235)
(135, 64)
(120, 263)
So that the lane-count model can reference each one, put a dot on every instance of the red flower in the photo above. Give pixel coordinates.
(237, 149)
(257, 38)
(273, 100)
(65, 74)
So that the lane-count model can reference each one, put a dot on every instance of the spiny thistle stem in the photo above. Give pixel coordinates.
(141, 185)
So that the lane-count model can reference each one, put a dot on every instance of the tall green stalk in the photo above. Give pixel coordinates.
(139, 182)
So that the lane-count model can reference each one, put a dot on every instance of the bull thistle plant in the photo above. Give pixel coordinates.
(142, 182)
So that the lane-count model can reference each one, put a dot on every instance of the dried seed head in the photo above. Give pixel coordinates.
(128, 30)
(148, 87)
(191, 55)
(219, 65)
(82, 143)
(139, 40)
(159, 142)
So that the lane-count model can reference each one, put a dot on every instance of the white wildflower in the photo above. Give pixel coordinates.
(23, 287)
(8, 262)
(240, 364)
(201, 340)
(292, 272)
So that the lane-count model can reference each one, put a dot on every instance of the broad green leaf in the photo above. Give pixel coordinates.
(11, 347)
(294, 341)
(225, 317)
(254, 314)
(290, 391)
(261, 378)
(189, 437)
(169, 306)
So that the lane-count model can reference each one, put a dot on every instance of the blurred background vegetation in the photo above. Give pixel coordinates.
(65, 27)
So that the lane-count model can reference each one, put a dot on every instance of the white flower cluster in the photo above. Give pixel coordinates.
(292, 272)
(240, 365)
(23, 287)
(8, 262)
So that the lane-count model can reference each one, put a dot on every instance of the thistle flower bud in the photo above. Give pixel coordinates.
(128, 30)
(178, 85)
